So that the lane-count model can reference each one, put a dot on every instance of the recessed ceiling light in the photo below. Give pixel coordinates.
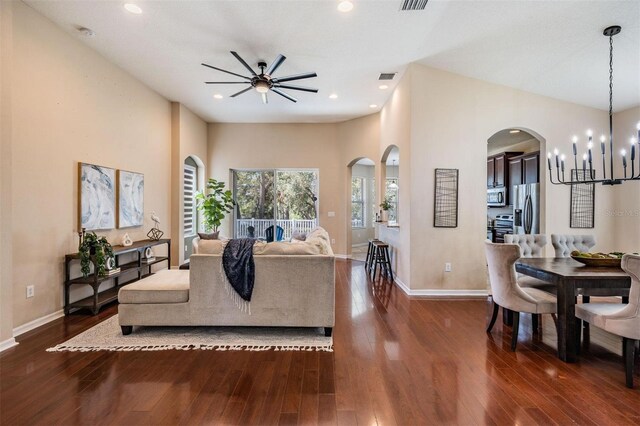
(333, 96)
(373, 106)
(218, 96)
(133, 8)
(345, 6)
(514, 131)
(383, 87)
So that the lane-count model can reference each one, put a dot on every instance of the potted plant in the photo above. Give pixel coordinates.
(100, 249)
(386, 205)
(214, 205)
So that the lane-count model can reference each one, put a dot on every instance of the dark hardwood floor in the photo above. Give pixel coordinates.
(396, 361)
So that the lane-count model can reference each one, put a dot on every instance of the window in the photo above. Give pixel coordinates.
(358, 212)
(188, 202)
(286, 198)
(392, 195)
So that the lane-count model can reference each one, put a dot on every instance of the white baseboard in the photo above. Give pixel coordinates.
(360, 245)
(341, 256)
(37, 323)
(441, 293)
(9, 343)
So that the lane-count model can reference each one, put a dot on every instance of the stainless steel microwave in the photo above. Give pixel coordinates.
(497, 197)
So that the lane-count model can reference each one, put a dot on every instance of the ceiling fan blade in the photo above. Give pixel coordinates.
(227, 82)
(275, 64)
(284, 95)
(294, 77)
(253, 73)
(264, 98)
(228, 72)
(241, 92)
(304, 89)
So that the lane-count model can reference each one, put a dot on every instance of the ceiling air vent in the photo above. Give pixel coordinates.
(413, 4)
(387, 75)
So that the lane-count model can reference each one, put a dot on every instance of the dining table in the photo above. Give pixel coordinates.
(569, 276)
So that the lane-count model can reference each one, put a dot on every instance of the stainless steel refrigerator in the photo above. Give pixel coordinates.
(526, 209)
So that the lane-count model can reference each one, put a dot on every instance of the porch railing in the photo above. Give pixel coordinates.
(260, 226)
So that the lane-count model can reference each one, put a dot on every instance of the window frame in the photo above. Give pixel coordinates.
(362, 202)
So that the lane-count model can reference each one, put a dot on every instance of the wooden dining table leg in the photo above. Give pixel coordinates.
(567, 350)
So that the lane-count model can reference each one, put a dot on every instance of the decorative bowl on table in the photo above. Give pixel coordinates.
(598, 259)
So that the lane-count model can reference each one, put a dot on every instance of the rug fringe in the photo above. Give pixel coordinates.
(188, 347)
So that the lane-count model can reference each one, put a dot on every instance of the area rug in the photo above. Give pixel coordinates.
(107, 336)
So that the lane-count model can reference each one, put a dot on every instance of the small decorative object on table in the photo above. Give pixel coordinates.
(149, 255)
(598, 259)
(126, 240)
(155, 233)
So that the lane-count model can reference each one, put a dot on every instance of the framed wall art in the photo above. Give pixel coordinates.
(582, 201)
(97, 197)
(445, 210)
(130, 199)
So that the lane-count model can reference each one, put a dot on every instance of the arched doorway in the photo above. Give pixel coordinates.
(362, 208)
(515, 183)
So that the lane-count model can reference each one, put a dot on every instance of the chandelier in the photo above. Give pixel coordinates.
(588, 174)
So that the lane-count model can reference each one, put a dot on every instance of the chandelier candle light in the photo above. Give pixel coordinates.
(590, 175)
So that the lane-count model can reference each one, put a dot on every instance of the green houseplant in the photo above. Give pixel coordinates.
(214, 205)
(386, 204)
(100, 249)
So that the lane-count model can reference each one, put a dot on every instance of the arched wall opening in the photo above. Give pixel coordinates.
(516, 187)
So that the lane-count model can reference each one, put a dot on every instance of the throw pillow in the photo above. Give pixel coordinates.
(211, 236)
(300, 236)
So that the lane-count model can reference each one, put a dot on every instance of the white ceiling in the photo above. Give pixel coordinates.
(554, 48)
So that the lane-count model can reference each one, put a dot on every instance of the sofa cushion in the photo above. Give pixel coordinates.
(208, 246)
(211, 236)
(284, 248)
(166, 286)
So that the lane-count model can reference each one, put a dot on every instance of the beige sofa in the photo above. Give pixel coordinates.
(294, 287)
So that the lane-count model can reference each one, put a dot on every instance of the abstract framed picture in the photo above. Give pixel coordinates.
(97, 197)
(130, 199)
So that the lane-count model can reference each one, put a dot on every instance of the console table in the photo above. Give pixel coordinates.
(100, 298)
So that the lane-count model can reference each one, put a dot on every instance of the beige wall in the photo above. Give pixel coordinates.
(74, 106)
(452, 118)
(188, 138)
(624, 212)
(6, 252)
(238, 146)
(395, 129)
(358, 138)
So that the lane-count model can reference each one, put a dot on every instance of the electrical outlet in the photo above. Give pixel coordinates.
(333, 241)
(30, 291)
(447, 267)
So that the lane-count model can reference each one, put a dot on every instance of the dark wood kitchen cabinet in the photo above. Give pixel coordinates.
(498, 169)
(524, 169)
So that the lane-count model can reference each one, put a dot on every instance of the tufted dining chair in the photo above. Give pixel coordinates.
(501, 259)
(565, 244)
(622, 320)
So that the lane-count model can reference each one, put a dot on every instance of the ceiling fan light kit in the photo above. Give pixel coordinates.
(264, 82)
(588, 173)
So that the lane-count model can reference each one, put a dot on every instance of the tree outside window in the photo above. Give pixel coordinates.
(392, 195)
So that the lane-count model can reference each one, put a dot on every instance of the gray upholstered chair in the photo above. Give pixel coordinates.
(531, 245)
(623, 320)
(565, 244)
(501, 259)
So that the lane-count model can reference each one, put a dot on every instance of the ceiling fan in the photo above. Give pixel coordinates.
(263, 82)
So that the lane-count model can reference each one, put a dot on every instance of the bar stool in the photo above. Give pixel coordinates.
(381, 258)
(369, 261)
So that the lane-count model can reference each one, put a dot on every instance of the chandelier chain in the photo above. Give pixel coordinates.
(610, 75)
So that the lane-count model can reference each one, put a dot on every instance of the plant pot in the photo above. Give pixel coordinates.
(385, 216)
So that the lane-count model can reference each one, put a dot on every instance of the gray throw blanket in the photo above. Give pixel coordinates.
(237, 261)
